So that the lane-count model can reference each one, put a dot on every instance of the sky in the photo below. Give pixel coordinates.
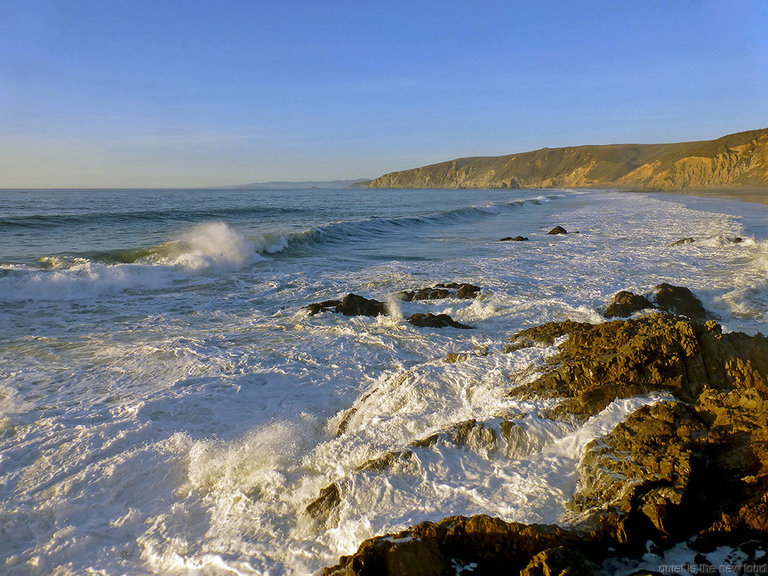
(188, 93)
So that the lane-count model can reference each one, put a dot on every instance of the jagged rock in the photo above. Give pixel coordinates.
(679, 300)
(495, 546)
(468, 291)
(513, 239)
(350, 305)
(387, 461)
(558, 230)
(560, 561)
(324, 505)
(435, 321)
(455, 357)
(694, 469)
(682, 241)
(626, 303)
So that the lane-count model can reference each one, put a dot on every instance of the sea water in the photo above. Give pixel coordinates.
(168, 407)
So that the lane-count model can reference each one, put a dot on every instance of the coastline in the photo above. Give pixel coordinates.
(752, 195)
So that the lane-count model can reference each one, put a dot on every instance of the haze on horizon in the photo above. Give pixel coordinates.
(123, 93)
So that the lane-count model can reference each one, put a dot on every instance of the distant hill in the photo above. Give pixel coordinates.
(734, 161)
(329, 185)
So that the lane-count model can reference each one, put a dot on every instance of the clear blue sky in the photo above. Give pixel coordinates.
(200, 93)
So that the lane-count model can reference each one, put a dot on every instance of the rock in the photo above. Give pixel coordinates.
(562, 561)
(682, 241)
(440, 291)
(692, 470)
(468, 291)
(350, 305)
(679, 300)
(435, 321)
(626, 303)
(387, 460)
(737, 240)
(326, 306)
(558, 230)
(354, 305)
(321, 508)
(515, 239)
(494, 546)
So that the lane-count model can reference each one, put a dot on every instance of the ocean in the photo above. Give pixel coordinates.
(167, 406)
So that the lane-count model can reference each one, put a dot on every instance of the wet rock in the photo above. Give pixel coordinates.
(558, 230)
(492, 545)
(513, 239)
(435, 321)
(562, 561)
(440, 291)
(681, 242)
(326, 504)
(679, 300)
(626, 303)
(326, 306)
(387, 461)
(737, 240)
(455, 357)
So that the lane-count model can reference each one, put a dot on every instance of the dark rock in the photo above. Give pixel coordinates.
(737, 240)
(682, 241)
(440, 291)
(468, 291)
(626, 303)
(513, 239)
(326, 306)
(435, 321)
(679, 300)
(354, 305)
(558, 230)
(387, 461)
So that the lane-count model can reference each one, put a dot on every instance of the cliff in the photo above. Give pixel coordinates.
(734, 161)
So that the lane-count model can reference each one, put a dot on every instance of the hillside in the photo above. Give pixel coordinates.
(737, 160)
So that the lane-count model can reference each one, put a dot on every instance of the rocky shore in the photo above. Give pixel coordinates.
(690, 469)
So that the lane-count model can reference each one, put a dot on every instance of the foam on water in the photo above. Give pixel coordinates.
(167, 407)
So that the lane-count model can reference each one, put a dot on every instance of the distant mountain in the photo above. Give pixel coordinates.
(330, 185)
(734, 161)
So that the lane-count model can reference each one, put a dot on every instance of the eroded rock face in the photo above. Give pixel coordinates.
(626, 303)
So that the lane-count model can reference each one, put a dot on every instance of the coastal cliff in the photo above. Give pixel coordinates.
(735, 161)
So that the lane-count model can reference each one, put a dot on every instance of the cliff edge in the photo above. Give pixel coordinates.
(735, 161)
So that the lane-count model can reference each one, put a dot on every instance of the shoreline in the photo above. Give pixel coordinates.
(751, 195)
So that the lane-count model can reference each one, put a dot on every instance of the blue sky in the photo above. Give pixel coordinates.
(202, 93)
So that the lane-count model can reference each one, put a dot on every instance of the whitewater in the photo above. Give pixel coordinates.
(167, 406)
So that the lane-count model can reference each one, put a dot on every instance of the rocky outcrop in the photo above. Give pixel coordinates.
(736, 160)
(691, 469)
(513, 239)
(558, 230)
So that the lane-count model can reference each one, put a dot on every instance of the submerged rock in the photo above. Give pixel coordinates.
(681, 242)
(513, 239)
(558, 230)
(435, 321)
(626, 303)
